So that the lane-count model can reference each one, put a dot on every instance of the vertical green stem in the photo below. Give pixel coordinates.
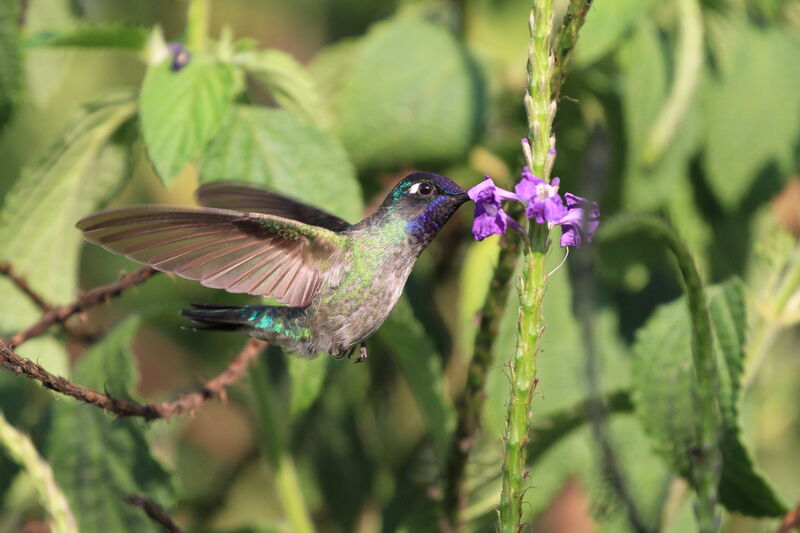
(197, 19)
(274, 443)
(539, 153)
(707, 460)
(531, 287)
(22, 451)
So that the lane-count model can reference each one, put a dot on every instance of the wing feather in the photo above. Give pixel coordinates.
(249, 199)
(225, 249)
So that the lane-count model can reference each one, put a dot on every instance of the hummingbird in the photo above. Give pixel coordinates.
(338, 281)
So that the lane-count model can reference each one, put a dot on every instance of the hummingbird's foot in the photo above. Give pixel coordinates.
(362, 353)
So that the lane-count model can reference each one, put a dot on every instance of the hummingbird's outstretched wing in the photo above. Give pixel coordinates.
(223, 249)
(241, 197)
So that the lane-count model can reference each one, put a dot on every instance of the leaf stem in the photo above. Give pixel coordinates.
(22, 451)
(706, 455)
(273, 441)
(687, 77)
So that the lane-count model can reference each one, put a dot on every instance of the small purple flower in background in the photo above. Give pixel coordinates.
(490, 219)
(542, 199)
(574, 229)
(180, 56)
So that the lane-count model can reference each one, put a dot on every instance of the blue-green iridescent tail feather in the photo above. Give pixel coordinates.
(267, 322)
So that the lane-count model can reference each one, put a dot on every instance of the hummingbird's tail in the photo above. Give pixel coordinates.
(274, 323)
(216, 317)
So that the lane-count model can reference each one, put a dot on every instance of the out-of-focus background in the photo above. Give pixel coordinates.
(688, 109)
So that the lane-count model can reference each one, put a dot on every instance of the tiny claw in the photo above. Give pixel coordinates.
(362, 353)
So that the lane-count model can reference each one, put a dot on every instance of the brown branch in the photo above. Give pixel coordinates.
(155, 512)
(22, 284)
(59, 315)
(790, 521)
(213, 388)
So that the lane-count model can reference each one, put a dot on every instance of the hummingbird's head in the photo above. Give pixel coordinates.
(426, 201)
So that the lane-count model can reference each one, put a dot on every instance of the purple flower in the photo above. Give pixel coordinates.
(574, 229)
(490, 219)
(180, 56)
(543, 201)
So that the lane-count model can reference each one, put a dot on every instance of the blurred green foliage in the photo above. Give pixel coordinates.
(683, 108)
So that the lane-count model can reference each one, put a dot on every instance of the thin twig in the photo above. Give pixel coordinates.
(185, 403)
(155, 512)
(39, 301)
(790, 521)
(22, 284)
(58, 315)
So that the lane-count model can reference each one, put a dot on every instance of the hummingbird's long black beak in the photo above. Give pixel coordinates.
(462, 197)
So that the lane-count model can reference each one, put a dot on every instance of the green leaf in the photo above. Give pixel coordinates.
(752, 111)
(401, 103)
(664, 396)
(421, 365)
(11, 65)
(288, 81)
(307, 377)
(606, 24)
(181, 111)
(270, 147)
(97, 459)
(37, 220)
(108, 35)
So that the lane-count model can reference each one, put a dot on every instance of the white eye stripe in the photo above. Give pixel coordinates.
(414, 188)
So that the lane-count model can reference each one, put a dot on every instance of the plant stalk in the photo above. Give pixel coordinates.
(540, 154)
(531, 286)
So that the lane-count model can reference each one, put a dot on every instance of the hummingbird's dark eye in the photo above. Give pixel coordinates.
(425, 188)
